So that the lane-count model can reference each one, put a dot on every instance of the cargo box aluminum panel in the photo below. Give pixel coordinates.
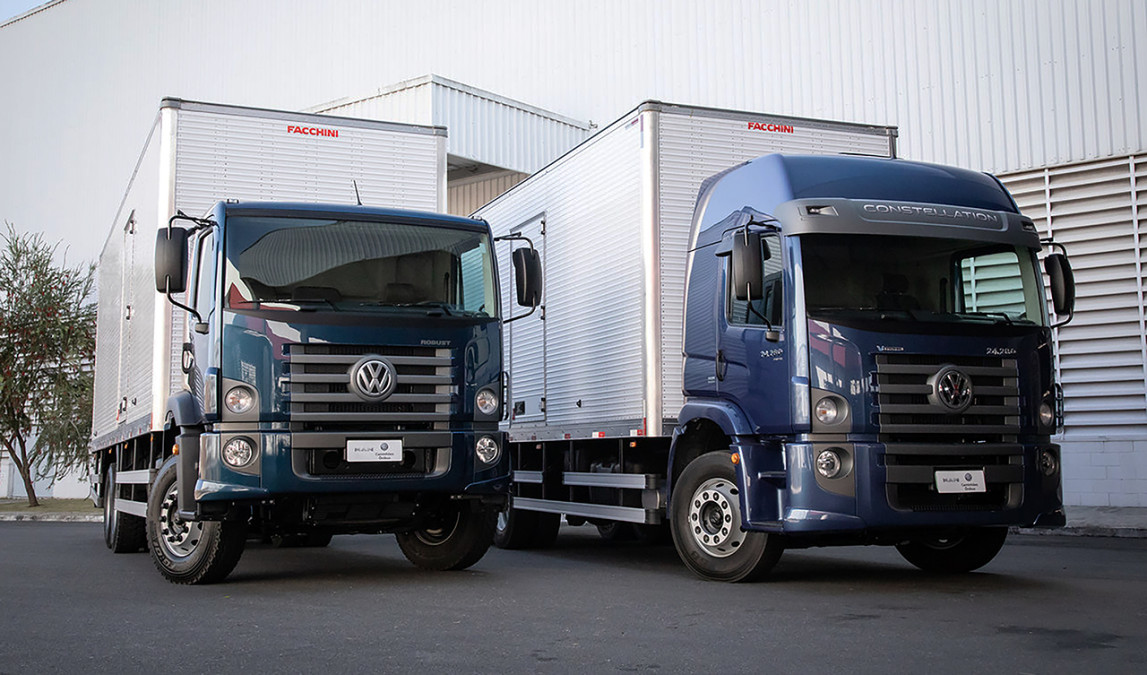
(200, 153)
(606, 358)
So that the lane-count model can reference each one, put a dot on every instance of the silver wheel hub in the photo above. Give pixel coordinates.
(178, 537)
(715, 518)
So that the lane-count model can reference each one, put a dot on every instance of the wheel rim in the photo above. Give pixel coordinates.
(942, 543)
(715, 518)
(504, 519)
(178, 538)
(441, 530)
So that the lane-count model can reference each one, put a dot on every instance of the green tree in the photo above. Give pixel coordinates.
(47, 344)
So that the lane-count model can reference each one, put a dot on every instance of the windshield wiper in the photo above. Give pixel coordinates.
(430, 305)
(989, 315)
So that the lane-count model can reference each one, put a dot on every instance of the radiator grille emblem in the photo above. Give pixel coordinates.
(951, 389)
(372, 378)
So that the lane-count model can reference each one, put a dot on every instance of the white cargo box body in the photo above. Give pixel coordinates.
(195, 155)
(606, 359)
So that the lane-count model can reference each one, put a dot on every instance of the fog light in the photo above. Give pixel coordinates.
(487, 450)
(487, 401)
(238, 452)
(827, 411)
(239, 400)
(1048, 464)
(1046, 415)
(829, 464)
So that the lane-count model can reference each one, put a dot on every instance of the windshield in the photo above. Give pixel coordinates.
(349, 265)
(920, 279)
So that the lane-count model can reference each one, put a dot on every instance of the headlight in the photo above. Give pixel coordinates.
(487, 450)
(1048, 463)
(1046, 415)
(487, 401)
(239, 400)
(826, 410)
(829, 464)
(238, 452)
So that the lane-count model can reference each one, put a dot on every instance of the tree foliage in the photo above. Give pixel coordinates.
(47, 345)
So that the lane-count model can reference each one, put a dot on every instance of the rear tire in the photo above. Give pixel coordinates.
(197, 552)
(517, 529)
(453, 538)
(956, 553)
(123, 532)
(705, 518)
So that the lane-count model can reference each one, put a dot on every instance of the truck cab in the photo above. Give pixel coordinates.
(870, 338)
(343, 374)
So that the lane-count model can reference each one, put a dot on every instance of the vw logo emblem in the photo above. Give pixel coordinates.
(372, 378)
(951, 389)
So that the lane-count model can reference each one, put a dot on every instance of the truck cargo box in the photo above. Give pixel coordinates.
(612, 221)
(200, 153)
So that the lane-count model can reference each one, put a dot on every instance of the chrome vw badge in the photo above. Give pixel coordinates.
(951, 389)
(372, 378)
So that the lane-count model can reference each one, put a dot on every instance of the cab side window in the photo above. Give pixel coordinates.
(768, 309)
(204, 299)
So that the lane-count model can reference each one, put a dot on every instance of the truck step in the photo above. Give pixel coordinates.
(628, 514)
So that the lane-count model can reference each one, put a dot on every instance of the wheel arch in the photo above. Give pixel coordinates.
(703, 427)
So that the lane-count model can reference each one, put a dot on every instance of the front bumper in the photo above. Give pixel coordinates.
(313, 463)
(892, 488)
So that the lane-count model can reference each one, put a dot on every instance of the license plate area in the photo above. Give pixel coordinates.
(961, 481)
(376, 450)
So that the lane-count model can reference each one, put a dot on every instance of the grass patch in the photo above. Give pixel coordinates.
(49, 505)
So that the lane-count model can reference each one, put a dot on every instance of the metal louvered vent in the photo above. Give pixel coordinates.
(320, 395)
(910, 408)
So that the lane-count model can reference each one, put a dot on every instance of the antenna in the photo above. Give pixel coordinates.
(356, 197)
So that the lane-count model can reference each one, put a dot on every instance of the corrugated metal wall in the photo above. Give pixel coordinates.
(1096, 210)
(1001, 85)
(464, 197)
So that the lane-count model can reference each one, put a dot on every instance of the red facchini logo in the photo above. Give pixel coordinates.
(312, 131)
(778, 128)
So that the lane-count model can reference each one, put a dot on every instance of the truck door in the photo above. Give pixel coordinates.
(201, 294)
(526, 338)
(752, 370)
(129, 373)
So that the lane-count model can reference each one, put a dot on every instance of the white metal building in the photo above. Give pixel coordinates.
(1047, 94)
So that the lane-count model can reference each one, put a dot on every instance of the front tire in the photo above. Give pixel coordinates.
(453, 538)
(198, 552)
(123, 532)
(706, 521)
(955, 553)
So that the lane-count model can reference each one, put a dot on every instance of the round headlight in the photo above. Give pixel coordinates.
(239, 400)
(826, 410)
(238, 452)
(1048, 464)
(828, 463)
(487, 450)
(1046, 415)
(487, 401)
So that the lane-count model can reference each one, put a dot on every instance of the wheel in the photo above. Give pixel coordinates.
(199, 552)
(955, 553)
(454, 538)
(616, 531)
(518, 529)
(123, 532)
(705, 520)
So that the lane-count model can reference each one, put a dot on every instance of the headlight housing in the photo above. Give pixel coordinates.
(239, 400)
(1046, 415)
(827, 411)
(487, 450)
(238, 452)
(487, 401)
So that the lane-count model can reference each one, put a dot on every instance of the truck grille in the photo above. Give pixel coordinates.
(907, 409)
(911, 475)
(318, 382)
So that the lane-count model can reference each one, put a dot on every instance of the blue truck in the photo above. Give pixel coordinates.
(866, 355)
(294, 370)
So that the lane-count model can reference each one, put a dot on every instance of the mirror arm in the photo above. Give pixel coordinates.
(515, 318)
(172, 300)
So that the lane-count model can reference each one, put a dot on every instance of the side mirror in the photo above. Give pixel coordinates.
(171, 260)
(1062, 283)
(528, 274)
(748, 267)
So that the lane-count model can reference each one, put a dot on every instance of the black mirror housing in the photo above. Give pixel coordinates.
(1062, 282)
(748, 268)
(171, 260)
(528, 275)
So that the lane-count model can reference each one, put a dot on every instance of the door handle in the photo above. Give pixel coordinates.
(721, 365)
